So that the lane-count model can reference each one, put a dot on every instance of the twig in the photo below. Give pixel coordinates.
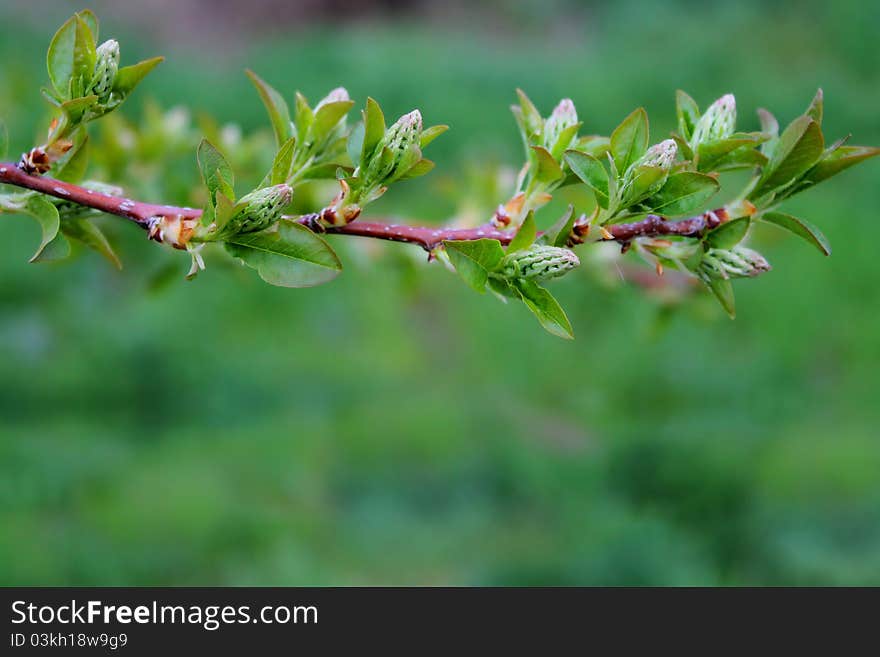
(429, 238)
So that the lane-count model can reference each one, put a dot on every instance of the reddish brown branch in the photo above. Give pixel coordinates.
(425, 236)
(136, 211)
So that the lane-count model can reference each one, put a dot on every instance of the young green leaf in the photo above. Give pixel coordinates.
(710, 153)
(327, 116)
(545, 307)
(292, 256)
(84, 231)
(591, 172)
(355, 143)
(798, 149)
(801, 228)
(129, 77)
(525, 236)
(629, 141)
(216, 171)
(474, 259)
(815, 109)
(430, 134)
(420, 168)
(374, 130)
(303, 117)
(839, 160)
(73, 166)
(723, 291)
(683, 192)
(53, 246)
(547, 170)
(279, 114)
(88, 17)
(559, 232)
(770, 127)
(83, 51)
(59, 59)
(687, 112)
(729, 234)
(645, 180)
(532, 121)
(281, 163)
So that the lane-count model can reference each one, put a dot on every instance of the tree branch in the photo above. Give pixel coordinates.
(144, 214)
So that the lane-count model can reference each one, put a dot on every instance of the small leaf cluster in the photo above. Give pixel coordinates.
(629, 175)
(515, 272)
(86, 84)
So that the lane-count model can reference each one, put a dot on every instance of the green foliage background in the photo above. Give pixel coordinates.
(394, 427)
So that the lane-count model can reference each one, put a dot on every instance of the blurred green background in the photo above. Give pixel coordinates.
(393, 427)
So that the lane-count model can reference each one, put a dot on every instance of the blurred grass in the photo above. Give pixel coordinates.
(388, 429)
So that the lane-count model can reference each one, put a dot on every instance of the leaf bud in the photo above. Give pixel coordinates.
(259, 209)
(718, 122)
(563, 117)
(539, 262)
(106, 66)
(660, 155)
(738, 262)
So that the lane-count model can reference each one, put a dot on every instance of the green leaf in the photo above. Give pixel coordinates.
(798, 149)
(532, 121)
(59, 59)
(710, 153)
(303, 117)
(645, 181)
(326, 171)
(591, 172)
(801, 228)
(547, 169)
(129, 77)
(87, 233)
(89, 18)
(629, 141)
(723, 291)
(688, 113)
(502, 289)
(327, 116)
(559, 232)
(216, 171)
(594, 145)
(291, 256)
(374, 129)
(356, 142)
(742, 158)
(769, 126)
(224, 209)
(279, 114)
(840, 159)
(73, 167)
(430, 134)
(53, 246)
(474, 259)
(420, 168)
(525, 236)
(815, 109)
(75, 109)
(84, 54)
(281, 163)
(564, 140)
(4, 140)
(683, 192)
(729, 234)
(545, 307)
